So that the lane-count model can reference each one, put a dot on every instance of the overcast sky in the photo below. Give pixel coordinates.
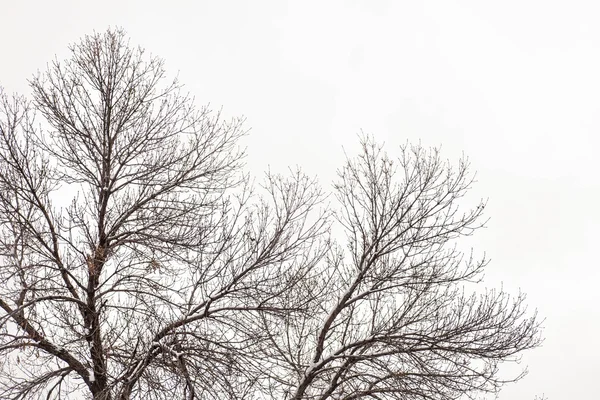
(513, 84)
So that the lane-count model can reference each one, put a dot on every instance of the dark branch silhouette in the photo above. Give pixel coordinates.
(137, 259)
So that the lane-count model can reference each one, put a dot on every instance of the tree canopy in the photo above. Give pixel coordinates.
(138, 259)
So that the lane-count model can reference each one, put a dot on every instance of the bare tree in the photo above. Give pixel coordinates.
(137, 260)
(393, 318)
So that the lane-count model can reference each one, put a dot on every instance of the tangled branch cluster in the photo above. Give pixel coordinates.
(137, 260)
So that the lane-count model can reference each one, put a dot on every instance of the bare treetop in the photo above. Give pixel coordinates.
(138, 260)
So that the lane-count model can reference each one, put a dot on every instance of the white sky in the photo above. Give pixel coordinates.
(513, 84)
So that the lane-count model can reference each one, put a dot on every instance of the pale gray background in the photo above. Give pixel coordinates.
(515, 84)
